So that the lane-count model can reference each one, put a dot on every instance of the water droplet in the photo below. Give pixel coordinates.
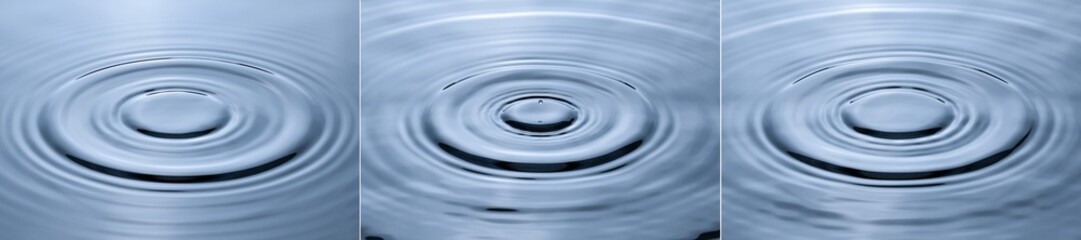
(175, 113)
(533, 115)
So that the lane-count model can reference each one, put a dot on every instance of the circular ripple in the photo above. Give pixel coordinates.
(174, 113)
(174, 150)
(849, 121)
(897, 114)
(988, 118)
(599, 135)
(532, 115)
(185, 130)
(539, 121)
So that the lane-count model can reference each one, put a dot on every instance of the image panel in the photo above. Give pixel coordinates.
(201, 119)
(499, 119)
(907, 119)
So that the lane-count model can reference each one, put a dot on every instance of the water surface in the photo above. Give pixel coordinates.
(178, 120)
(540, 119)
(901, 119)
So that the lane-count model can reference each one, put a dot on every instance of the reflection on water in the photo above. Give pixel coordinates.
(901, 119)
(540, 119)
(178, 120)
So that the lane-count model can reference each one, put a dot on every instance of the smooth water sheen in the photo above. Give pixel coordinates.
(901, 119)
(178, 120)
(552, 120)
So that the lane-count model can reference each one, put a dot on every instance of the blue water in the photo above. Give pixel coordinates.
(179, 120)
(540, 119)
(500, 119)
(901, 119)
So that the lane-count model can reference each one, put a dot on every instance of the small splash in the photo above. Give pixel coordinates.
(532, 115)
